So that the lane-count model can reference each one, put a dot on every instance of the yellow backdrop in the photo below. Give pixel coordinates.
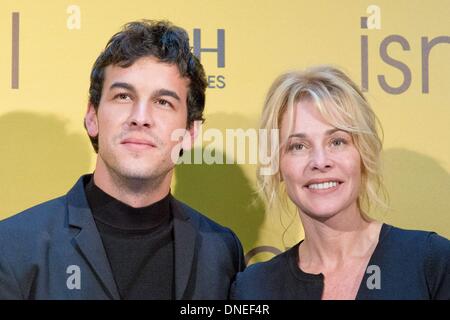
(398, 50)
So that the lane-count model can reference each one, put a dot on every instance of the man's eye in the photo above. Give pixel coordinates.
(163, 103)
(122, 96)
(296, 146)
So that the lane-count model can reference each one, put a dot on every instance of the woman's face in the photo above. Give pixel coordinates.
(319, 164)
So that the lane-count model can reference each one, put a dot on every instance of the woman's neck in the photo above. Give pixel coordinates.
(330, 242)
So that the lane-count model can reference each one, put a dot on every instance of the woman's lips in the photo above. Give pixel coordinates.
(321, 186)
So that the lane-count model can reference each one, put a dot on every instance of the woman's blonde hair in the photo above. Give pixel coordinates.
(342, 104)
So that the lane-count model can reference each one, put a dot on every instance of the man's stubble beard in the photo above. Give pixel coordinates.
(126, 175)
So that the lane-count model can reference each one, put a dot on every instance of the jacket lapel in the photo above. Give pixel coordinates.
(184, 245)
(88, 240)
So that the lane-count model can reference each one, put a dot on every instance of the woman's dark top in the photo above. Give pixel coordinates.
(405, 264)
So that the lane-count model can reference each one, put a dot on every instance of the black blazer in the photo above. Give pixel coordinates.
(54, 251)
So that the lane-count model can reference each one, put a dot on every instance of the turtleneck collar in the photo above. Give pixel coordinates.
(116, 214)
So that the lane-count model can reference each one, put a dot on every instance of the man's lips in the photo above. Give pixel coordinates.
(138, 142)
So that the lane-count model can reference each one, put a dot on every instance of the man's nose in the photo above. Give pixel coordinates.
(140, 115)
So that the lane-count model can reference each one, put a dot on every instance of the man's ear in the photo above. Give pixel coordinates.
(91, 121)
(190, 135)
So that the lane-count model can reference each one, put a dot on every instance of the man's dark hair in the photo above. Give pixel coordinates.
(159, 39)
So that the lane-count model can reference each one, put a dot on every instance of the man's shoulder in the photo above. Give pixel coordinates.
(46, 214)
(215, 242)
(200, 220)
(35, 218)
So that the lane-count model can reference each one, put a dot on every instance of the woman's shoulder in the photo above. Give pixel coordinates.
(427, 248)
(415, 245)
(259, 271)
(262, 277)
(417, 252)
(415, 239)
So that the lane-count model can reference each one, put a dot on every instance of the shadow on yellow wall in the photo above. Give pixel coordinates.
(419, 191)
(40, 160)
(222, 191)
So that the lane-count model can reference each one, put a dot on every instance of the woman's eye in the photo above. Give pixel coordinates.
(338, 142)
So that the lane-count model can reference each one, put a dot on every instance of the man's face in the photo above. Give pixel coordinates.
(140, 107)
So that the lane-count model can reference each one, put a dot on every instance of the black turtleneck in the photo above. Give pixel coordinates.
(138, 243)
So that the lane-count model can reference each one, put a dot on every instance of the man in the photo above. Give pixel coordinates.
(119, 234)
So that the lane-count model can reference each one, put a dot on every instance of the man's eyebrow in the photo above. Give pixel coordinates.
(157, 93)
(122, 85)
(166, 92)
(327, 133)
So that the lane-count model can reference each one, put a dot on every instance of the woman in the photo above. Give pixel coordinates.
(328, 164)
